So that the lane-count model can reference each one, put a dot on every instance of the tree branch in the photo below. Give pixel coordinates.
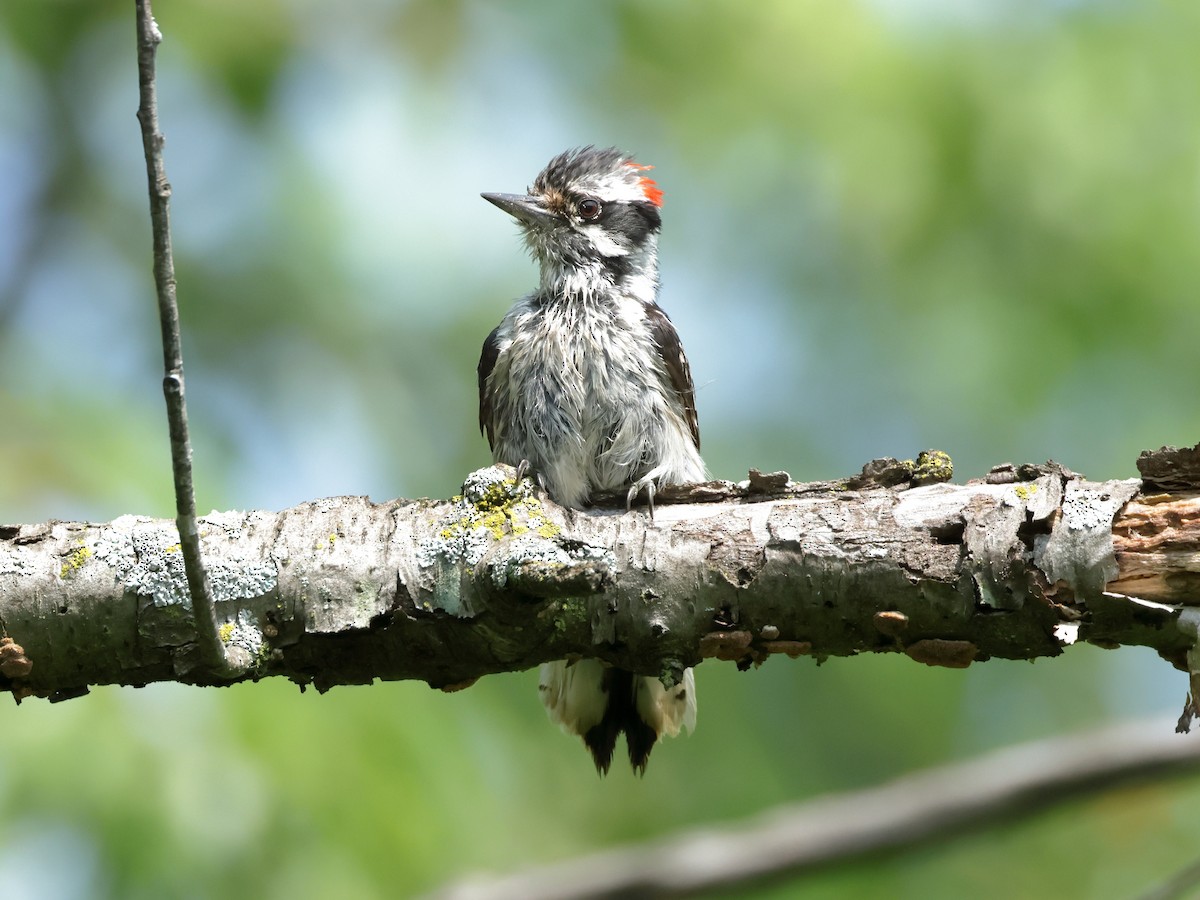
(1180, 884)
(342, 591)
(790, 840)
(149, 37)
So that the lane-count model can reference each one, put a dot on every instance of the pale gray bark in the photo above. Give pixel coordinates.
(344, 590)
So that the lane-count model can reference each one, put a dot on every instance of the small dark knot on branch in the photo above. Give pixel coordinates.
(767, 483)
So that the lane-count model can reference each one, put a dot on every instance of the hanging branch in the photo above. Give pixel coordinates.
(915, 809)
(149, 37)
(1179, 886)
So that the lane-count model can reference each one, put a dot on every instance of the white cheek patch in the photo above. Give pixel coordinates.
(604, 242)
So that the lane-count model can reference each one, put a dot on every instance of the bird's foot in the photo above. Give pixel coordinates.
(525, 470)
(646, 484)
(522, 470)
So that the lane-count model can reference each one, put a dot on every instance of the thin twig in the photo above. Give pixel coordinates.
(149, 38)
(787, 841)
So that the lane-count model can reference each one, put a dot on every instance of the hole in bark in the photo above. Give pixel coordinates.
(948, 532)
(9, 531)
(1031, 529)
(983, 609)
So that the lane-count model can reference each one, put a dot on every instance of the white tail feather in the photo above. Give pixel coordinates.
(575, 699)
(666, 711)
(573, 693)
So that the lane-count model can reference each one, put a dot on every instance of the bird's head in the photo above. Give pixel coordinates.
(591, 220)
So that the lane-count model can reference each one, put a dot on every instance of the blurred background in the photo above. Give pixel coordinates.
(889, 225)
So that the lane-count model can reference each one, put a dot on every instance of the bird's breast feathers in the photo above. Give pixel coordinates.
(581, 391)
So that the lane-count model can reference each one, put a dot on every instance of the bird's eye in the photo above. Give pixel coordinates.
(589, 209)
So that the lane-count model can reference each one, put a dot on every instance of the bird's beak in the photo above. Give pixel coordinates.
(527, 209)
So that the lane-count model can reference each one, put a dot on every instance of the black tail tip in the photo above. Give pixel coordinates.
(620, 715)
(639, 740)
(601, 741)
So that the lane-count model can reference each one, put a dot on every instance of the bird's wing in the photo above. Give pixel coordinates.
(666, 340)
(487, 362)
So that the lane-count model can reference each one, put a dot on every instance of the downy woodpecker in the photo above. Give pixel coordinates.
(585, 383)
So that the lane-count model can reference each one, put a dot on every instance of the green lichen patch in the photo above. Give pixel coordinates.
(932, 467)
(74, 562)
(492, 506)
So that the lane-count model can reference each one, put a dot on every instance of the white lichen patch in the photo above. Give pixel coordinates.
(241, 582)
(146, 558)
(600, 555)
(244, 633)
(534, 548)
(1082, 511)
(528, 548)
(454, 542)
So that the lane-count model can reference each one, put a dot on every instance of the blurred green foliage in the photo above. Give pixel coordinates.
(889, 226)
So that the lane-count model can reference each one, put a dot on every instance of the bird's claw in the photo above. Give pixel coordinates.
(635, 489)
(522, 470)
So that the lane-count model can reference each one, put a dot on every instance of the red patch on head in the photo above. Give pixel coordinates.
(650, 188)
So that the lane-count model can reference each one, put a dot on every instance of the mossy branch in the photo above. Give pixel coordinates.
(1018, 565)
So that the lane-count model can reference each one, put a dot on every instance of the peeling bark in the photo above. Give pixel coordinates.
(343, 590)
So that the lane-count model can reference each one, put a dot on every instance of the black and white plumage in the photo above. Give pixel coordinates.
(585, 380)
